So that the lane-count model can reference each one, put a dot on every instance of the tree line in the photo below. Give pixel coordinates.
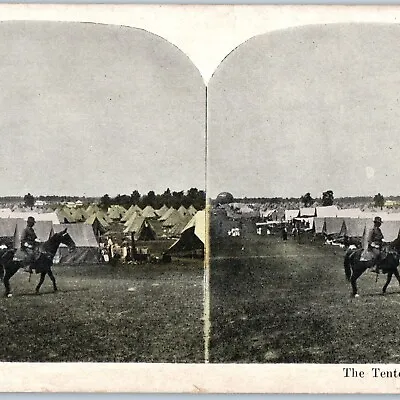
(193, 196)
(327, 199)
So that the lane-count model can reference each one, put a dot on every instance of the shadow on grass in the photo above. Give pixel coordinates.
(380, 294)
(52, 292)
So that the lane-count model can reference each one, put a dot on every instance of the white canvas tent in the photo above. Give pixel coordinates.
(193, 237)
(326, 211)
(332, 226)
(291, 214)
(87, 249)
(355, 227)
(307, 212)
(318, 224)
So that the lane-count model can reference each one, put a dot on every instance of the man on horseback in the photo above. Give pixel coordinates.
(29, 242)
(375, 241)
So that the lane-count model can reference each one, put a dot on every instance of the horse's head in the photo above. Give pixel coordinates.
(58, 238)
(67, 240)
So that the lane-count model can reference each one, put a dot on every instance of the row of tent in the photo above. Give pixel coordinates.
(334, 211)
(168, 224)
(146, 224)
(354, 227)
(87, 247)
(116, 213)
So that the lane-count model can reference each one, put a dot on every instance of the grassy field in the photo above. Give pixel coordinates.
(137, 313)
(286, 302)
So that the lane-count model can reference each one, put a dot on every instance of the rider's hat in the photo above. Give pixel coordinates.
(31, 219)
(378, 220)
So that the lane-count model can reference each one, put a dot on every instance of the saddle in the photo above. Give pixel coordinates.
(27, 257)
(367, 256)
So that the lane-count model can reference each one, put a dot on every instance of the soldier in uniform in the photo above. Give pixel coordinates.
(375, 241)
(28, 242)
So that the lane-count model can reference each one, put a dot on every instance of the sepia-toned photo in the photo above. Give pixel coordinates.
(199, 199)
(303, 176)
(102, 201)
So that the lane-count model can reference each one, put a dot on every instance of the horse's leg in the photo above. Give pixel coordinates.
(353, 280)
(397, 275)
(388, 279)
(9, 272)
(53, 279)
(41, 280)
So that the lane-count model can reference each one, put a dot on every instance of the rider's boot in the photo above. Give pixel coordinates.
(28, 268)
(375, 269)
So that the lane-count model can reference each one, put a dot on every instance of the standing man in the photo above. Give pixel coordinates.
(28, 243)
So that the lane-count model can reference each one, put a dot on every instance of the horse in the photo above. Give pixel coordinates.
(389, 262)
(42, 262)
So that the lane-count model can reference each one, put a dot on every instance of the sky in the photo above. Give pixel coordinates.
(89, 109)
(307, 109)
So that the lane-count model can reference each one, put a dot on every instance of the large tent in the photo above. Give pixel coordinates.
(116, 212)
(167, 214)
(79, 214)
(161, 211)
(148, 212)
(50, 216)
(326, 211)
(183, 211)
(131, 218)
(192, 240)
(98, 224)
(318, 224)
(65, 216)
(332, 226)
(176, 230)
(291, 214)
(174, 218)
(355, 227)
(142, 229)
(390, 230)
(267, 214)
(192, 211)
(8, 227)
(307, 212)
(131, 210)
(87, 249)
(391, 217)
(43, 230)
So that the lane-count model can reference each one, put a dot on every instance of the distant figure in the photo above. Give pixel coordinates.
(284, 233)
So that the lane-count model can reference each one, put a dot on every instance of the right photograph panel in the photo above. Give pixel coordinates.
(303, 181)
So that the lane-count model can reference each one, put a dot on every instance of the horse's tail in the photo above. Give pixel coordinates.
(347, 264)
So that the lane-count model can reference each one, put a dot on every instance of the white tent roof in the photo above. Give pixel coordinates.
(267, 213)
(349, 213)
(332, 225)
(82, 234)
(199, 223)
(307, 212)
(290, 214)
(319, 224)
(391, 217)
(390, 230)
(326, 211)
(52, 216)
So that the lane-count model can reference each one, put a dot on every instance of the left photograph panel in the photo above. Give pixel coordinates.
(102, 196)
